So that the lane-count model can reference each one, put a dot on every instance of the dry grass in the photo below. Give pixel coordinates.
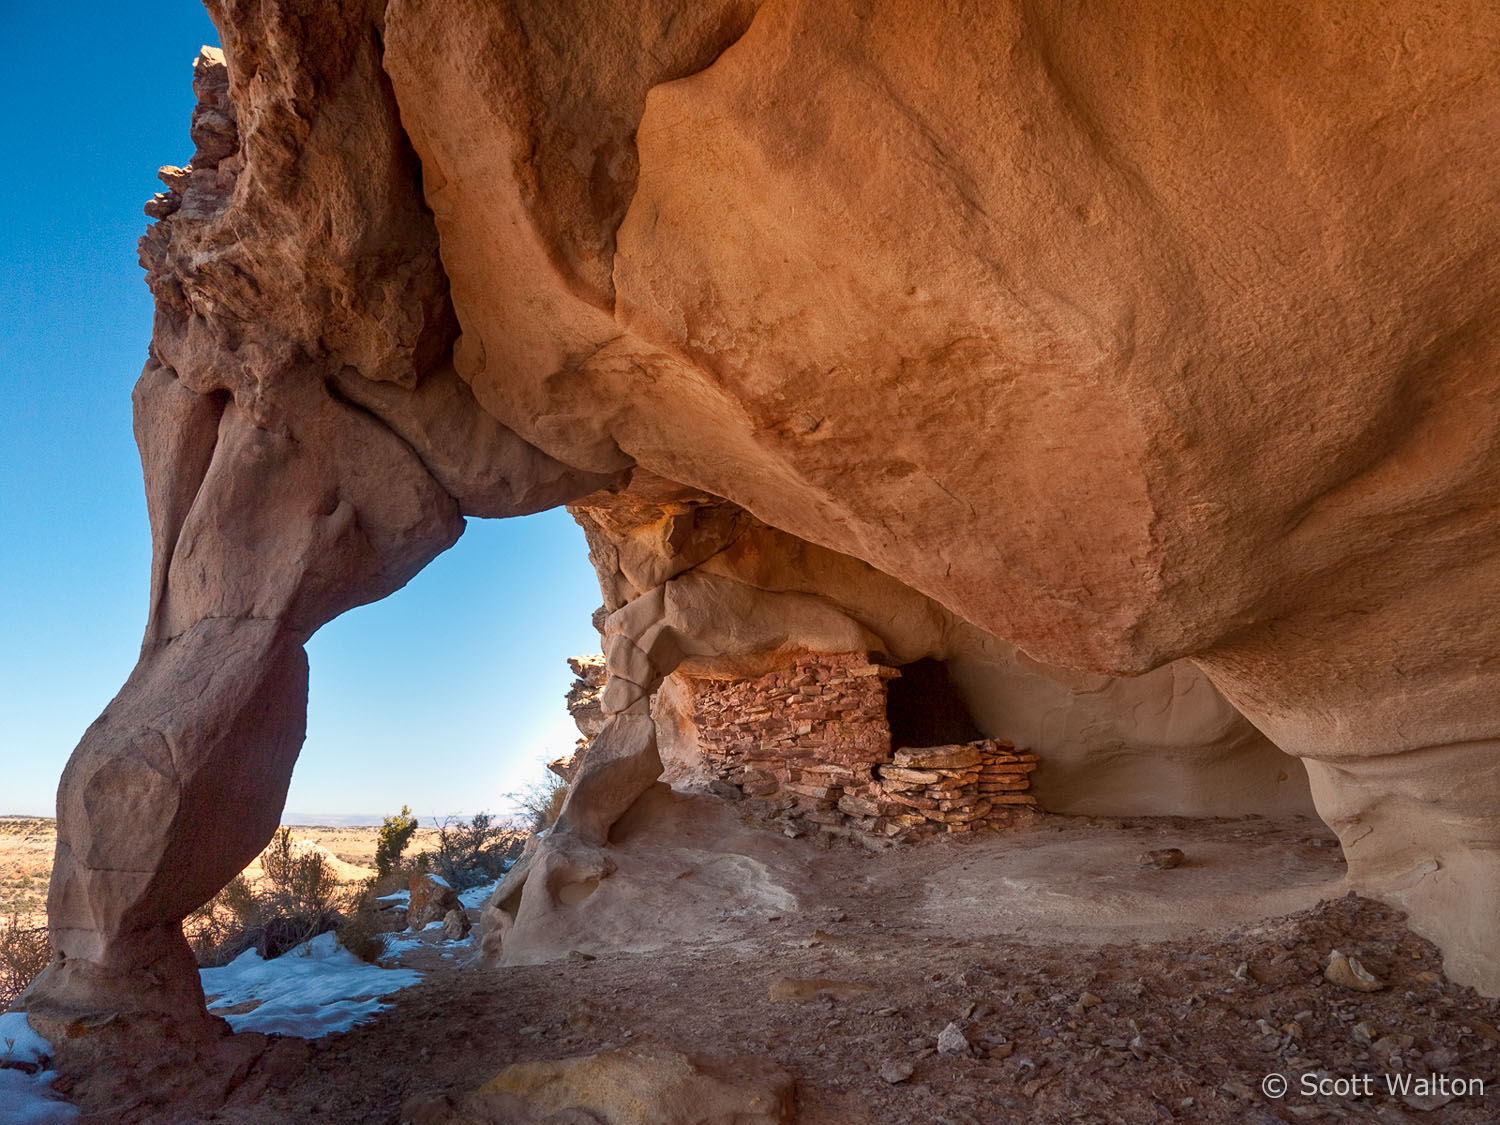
(355, 846)
(26, 846)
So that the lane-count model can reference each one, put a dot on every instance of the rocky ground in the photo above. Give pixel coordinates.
(920, 1011)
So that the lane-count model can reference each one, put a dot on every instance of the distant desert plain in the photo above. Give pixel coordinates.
(27, 843)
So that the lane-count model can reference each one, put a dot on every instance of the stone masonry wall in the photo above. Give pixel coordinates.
(810, 742)
(960, 788)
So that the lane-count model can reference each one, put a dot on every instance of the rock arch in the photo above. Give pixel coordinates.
(1108, 340)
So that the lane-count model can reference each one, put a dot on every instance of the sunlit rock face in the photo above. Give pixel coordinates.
(1059, 349)
(1154, 335)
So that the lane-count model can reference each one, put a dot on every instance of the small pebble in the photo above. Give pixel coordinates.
(896, 1070)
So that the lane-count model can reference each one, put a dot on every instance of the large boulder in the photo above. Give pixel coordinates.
(456, 924)
(432, 897)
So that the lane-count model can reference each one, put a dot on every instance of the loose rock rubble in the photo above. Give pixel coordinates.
(1095, 1033)
(951, 1042)
(1349, 973)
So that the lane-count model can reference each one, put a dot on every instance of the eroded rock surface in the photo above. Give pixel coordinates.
(585, 708)
(306, 447)
(1057, 350)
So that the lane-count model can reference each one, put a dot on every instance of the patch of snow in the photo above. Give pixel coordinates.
(440, 881)
(398, 943)
(19, 1042)
(396, 896)
(28, 1099)
(475, 897)
(432, 926)
(313, 990)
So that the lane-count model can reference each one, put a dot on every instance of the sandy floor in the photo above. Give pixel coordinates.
(1081, 881)
(1090, 989)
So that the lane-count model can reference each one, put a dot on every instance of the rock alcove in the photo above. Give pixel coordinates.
(1092, 364)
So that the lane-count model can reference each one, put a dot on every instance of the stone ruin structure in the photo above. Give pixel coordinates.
(811, 741)
(1137, 367)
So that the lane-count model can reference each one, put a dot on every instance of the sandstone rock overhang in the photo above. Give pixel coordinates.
(1114, 338)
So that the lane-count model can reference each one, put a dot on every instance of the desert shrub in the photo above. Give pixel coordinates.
(240, 900)
(302, 883)
(24, 952)
(395, 833)
(471, 853)
(360, 931)
(213, 928)
(540, 803)
(299, 898)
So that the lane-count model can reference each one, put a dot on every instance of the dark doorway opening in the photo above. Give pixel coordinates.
(924, 708)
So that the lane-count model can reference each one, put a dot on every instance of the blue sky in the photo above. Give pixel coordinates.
(445, 696)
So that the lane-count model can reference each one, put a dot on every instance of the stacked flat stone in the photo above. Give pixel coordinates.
(811, 742)
(799, 740)
(964, 787)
